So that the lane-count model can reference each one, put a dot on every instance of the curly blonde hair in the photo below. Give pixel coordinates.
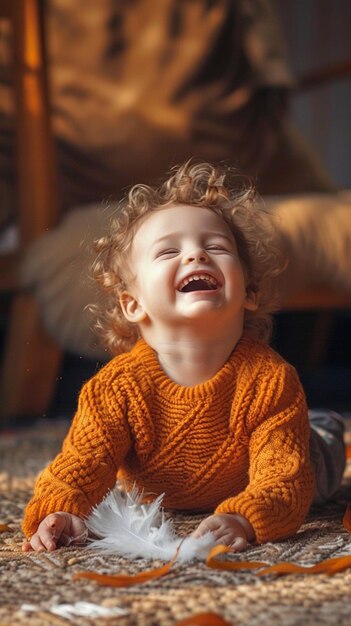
(219, 189)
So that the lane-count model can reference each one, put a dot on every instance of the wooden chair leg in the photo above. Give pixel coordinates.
(319, 340)
(31, 358)
(31, 362)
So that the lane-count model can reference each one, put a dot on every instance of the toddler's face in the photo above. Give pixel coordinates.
(186, 267)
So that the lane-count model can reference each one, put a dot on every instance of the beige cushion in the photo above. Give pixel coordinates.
(315, 232)
(57, 269)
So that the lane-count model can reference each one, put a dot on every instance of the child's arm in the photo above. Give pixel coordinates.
(81, 475)
(57, 529)
(281, 481)
(233, 530)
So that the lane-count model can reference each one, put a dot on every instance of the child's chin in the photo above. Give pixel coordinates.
(199, 309)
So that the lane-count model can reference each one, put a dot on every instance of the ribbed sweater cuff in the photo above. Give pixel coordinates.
(266, 526)
(70, 502)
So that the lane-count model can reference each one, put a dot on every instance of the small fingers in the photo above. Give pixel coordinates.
(209, 524)
(49, 531)
(46, 539)
(239, 544)
(234, 541)
(225, 529)
(201, 530)
(57, 529)
(79, 531)
(55, 524)
(39, 544)
(27, 547)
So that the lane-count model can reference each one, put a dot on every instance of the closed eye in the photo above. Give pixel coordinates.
(169, 252)
(216, 248)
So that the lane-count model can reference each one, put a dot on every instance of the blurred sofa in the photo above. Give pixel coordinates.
(313, 230)
(136, 88)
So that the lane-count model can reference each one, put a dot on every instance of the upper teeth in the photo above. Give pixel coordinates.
(188, 280)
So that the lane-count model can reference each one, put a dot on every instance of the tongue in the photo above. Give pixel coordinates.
(198, 285)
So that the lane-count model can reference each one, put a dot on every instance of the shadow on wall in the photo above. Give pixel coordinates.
(317, 35)
(324, 367)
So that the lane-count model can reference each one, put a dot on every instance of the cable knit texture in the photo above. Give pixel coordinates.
(238, 442)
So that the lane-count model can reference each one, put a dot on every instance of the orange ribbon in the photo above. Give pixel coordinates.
(214, 563)
(330, 567)
(204, 619)
(4, 528)
(347, 518)
(128, 580)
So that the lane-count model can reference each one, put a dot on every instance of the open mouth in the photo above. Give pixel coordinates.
(198, 282)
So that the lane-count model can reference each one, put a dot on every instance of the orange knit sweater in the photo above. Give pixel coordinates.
(236, 443)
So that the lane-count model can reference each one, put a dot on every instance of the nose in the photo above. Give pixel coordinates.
(196, 256)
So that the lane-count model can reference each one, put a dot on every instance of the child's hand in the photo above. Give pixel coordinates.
(233, 530)
(57, 529)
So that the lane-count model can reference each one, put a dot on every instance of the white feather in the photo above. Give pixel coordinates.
(126, 526)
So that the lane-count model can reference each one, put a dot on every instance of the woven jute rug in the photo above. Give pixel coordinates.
(34, 585)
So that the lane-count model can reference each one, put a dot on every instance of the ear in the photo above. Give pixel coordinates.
(251, 300)
(131, 307)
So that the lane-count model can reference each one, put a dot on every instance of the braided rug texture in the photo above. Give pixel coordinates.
(45, 580)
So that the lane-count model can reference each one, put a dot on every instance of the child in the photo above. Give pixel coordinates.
(200, 409)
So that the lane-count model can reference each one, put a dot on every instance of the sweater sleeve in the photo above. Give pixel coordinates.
(83, 472)
(281, 481)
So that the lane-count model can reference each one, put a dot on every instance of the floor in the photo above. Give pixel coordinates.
(39, 589)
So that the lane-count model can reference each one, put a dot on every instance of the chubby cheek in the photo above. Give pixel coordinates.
(163, 275)
(236, 282)
(156, 285)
